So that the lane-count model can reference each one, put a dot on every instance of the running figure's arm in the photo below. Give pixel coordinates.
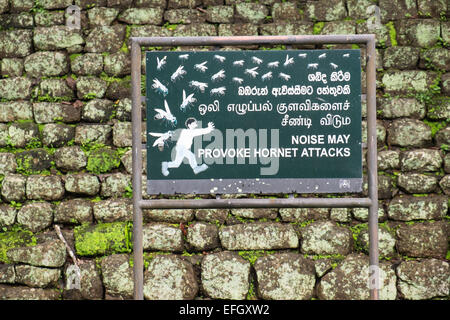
(199, 132)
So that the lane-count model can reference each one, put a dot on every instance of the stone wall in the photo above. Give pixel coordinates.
(65, 138)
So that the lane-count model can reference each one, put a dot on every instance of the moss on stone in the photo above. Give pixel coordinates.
(15, 238)
(103, 238)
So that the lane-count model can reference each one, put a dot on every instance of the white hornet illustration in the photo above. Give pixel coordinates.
(201, 66)
(322, 56)
(333, 65)
(257, 60)
(183, 56)
(273, 64)
(346, 55)
(218, 91)
(302, 55)
(313, 65)
(183, 147)
(220, 58)
(162, 139)
(160, 63)
(288, 61)
(237, 80)
(178, 74)
(218, 76)
(252, 72)
(198, 85)
(267, 76)
(284, 76)
(159, 87)
(187, 101)
(166, 114)
(238, 63)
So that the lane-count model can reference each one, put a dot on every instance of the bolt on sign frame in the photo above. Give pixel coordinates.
(370, 202)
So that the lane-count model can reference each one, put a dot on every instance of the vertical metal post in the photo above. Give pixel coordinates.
(136, 118)
(372, 168)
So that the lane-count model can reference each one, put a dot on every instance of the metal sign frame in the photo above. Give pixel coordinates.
(370, 202)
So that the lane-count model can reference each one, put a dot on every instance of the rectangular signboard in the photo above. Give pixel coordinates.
(225, 122)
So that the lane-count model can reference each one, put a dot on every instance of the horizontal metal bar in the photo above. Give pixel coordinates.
(256, 203)
(249, 40)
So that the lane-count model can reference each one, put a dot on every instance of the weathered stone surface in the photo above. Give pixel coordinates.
(362, 214)
(169, 215)
(91, 87)
(102, 239)
(417, 182)
(349, 281)
(49, 18)
(7, 163)
(150, 31)
(250, 13)
(212, 215)
(118, 275)
(284, 28)
(420, 160)
(105, 39)
(401, 57)
(447, 163)
(325, 237)
(419, 32)
(33, 161)
(91, 286)
(186, 16)
(7, 215)
(84, 184)
(50, 254)
(358, 9)
(225, 275)
(176, 4)
(57, 135)
(340, 215)
(162, 237)
(339, 27)
(203, 236)
(388, 160)
(443, 136)
(56, 88)
(116, 185)
(408, 208)
(285, 11)
(122, 134)
(445, 184)
(126, 160)
(104, 160)
(56, 37)
(36, 216)
(170, 278)
(303, 214)
(220, 14)
(24, 293)
(286, 276)
(424, 279)
(13, 187)
(401, 107)
(439, 108)
(11, 67)
(435, 57)
(36, 276)
(21, 134)
(74, 211)
(117, 64)
(427, 240)
(326, 11)
(397, 9)
(12, 111)
(15, 43)
(87, 64)
(101, 16)
(70, 158)
(255, 213)
(4, 6)
(46, 63)
(381, 132)
(237, 29)
(142, 16)
(48, 112)
(386, 242)
(408, 81)
(113, 210)
(195, 30)
(44, 188)
(432, 8)
(97, 110)
(15, 88)
(409, 133)
(96, 134)
(7, 273)
(258, 236)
